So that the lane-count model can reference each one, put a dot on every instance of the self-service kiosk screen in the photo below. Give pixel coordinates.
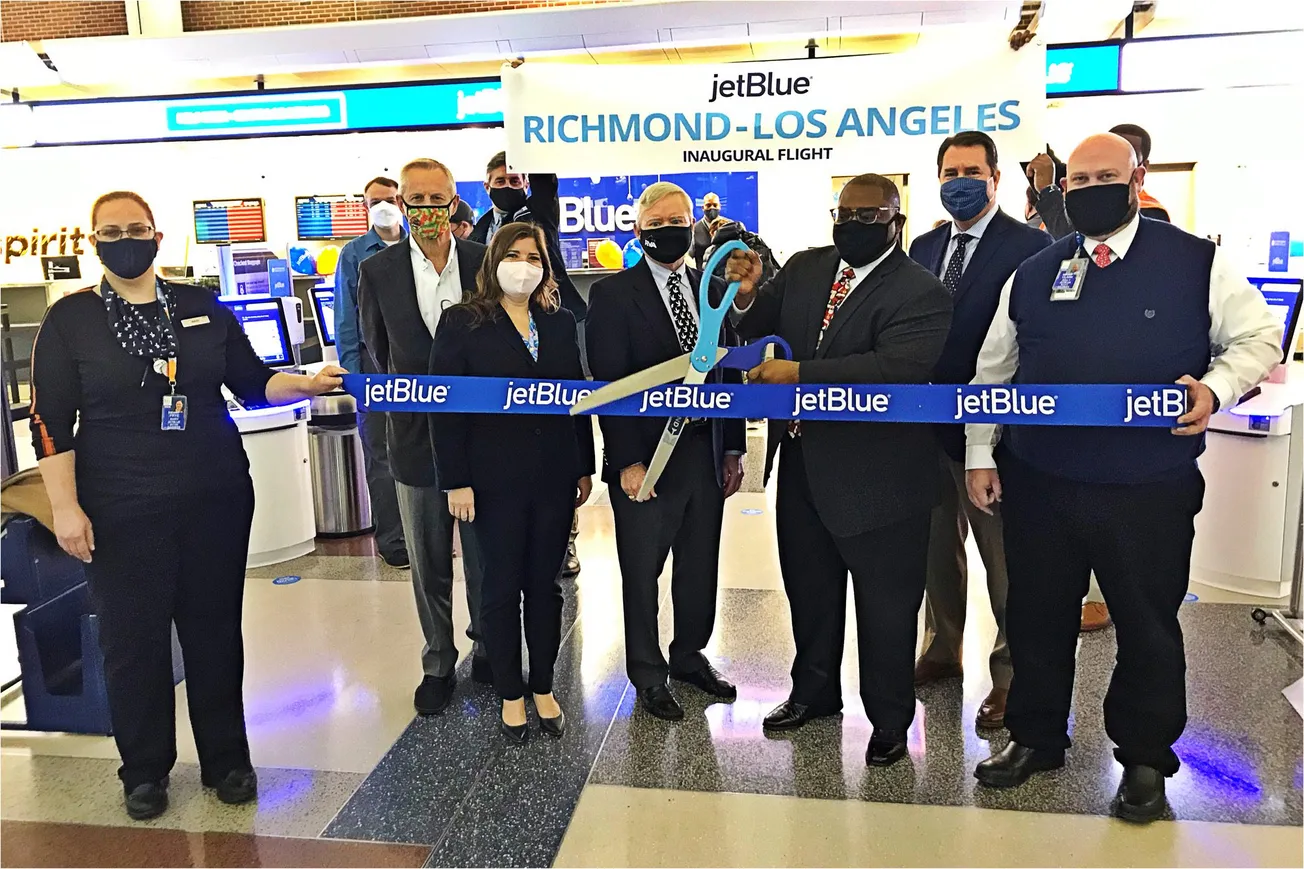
(264, 322)
(1284, 296)
(323, 302)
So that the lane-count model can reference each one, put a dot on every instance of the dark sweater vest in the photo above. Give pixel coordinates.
(1144, 319)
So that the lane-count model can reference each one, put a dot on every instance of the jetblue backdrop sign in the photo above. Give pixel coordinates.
(844, 113)
(596, 208)
(441, 104)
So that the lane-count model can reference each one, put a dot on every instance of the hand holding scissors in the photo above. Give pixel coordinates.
(692, 367)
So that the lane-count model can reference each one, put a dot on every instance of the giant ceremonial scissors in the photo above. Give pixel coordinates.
(692, 367)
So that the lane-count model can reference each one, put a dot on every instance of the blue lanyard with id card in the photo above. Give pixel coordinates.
(174, 405)
(1072, 274)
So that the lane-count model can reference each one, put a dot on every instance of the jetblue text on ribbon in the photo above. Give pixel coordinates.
(1019, 404)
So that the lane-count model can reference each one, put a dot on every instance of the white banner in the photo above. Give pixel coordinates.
(848, 115)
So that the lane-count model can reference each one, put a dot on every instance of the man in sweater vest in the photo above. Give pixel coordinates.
(1153, 306)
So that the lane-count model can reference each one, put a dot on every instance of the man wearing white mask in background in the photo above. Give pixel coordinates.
(381, 195)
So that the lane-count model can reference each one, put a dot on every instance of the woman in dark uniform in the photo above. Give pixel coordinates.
(153, 493)
(518, 478)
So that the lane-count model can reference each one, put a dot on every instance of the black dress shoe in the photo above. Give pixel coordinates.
(658, 701)
(398, 559)
(789, 715)
(886, 747)
(554, 727)
(481, 672)
(1140, 797)
(1014, 764)
(434, 694)
(708, 679)
(571, 568)
(236, 788)
(517, 734)
(148, 800)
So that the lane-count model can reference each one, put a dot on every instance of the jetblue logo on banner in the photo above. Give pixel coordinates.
(1078, 405)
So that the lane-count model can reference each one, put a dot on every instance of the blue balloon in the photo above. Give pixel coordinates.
(302, 262)
(633, 253)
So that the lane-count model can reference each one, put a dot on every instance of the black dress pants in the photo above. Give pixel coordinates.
(522, 537)
(380, 480)
(684, 518)
(179, 560)
(1137, 538)
(888, 567)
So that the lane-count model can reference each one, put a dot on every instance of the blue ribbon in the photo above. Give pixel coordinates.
(1065, 404)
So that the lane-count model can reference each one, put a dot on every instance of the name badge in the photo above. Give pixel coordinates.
(1068, 281)
(194, 321)
(174, 413)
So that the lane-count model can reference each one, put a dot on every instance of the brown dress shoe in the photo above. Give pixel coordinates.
(1095, 616)
(992, 713)
(927, 672)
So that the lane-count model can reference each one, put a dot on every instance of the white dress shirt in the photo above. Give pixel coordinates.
(975, 234)
(436, 290)
(1239, 321)
(661, 275)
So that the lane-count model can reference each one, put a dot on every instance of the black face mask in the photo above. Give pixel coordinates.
(711, 213)
(666, 244)
(1100, 209)
(860, 243)
(127, 258)
(508, 200)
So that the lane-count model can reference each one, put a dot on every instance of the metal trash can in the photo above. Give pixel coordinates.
(340, 500)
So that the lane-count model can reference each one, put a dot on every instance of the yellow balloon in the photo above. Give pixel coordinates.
(609, 254)
(327, 259)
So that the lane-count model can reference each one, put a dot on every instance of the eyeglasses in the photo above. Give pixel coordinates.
(138, 231)
(881, 214)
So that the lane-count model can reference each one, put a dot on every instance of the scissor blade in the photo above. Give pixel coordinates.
(648, 378)
(666, 446)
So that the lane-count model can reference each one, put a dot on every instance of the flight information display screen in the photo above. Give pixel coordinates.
(263, 321)
(330, 217)
(227, 221)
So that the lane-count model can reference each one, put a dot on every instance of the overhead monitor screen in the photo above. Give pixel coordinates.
(264, 322)
(226, 221)
(323, 302)
(1284, 296)
(330, 217)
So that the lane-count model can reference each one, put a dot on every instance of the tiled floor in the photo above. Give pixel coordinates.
(333, 659)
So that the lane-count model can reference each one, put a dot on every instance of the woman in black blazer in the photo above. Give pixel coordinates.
(515, 478)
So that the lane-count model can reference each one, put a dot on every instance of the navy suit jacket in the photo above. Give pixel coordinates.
(1005, 244)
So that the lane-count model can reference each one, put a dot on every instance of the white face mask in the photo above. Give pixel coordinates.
(519, 279)
(385, 215)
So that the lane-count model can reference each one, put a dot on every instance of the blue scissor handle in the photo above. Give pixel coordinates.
(711, 318)
(750, 355)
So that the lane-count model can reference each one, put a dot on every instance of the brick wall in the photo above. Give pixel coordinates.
(239, 14)
(55, 19)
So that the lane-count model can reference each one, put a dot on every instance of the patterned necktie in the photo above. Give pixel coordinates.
(685, 327)
(1102, 255)
(955, 268)
(837, 296)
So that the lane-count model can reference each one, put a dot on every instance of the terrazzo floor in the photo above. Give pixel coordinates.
(350, 776)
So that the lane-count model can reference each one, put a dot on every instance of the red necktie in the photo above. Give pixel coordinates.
(1102, 255)
(837, 296)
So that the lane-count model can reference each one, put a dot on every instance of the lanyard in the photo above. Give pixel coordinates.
(166, 316)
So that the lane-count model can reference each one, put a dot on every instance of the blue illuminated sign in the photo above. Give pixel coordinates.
(1082, 69)
(254, 114)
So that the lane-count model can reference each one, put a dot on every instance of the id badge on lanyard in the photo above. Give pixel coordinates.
(1072, 274)
(174, 405)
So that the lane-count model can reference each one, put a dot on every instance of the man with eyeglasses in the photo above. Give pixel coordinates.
(852, 497)
(402, 292)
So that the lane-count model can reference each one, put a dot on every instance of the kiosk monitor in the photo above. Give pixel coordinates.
(323, 305)
(1284, 296)
(263, 320)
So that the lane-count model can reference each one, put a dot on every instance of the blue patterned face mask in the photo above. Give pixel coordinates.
(964, 198)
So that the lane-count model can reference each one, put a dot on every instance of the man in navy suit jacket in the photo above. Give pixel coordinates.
(974, 254)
